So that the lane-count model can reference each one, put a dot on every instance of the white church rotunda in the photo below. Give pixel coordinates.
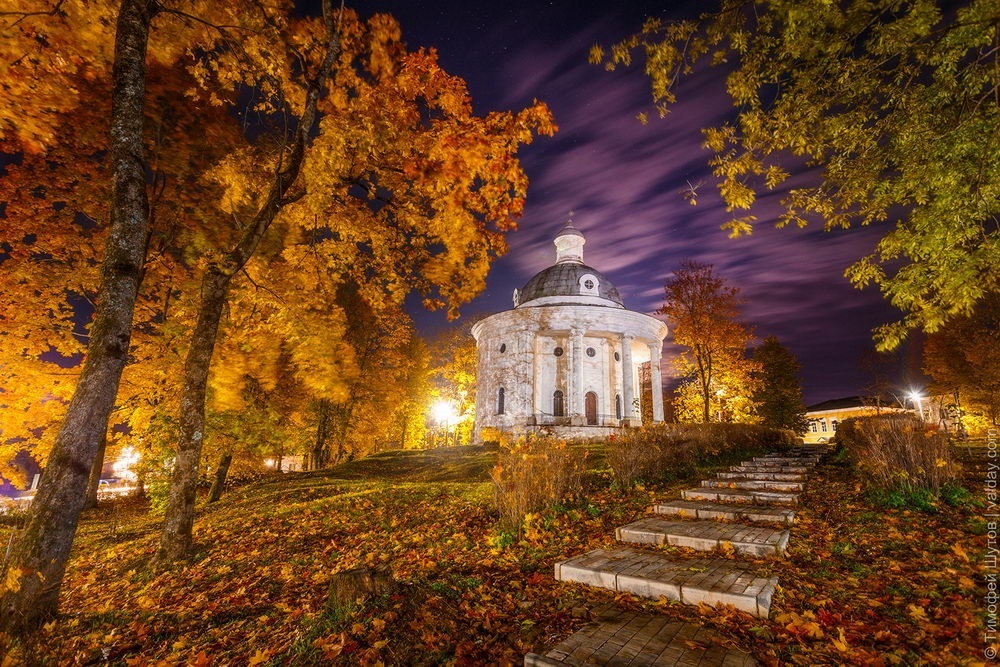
(566, 358)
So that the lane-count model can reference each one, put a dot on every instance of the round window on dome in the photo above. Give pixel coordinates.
(618, 357)
(503, 347)
(591, 352)
(558, 351)
(588, 283)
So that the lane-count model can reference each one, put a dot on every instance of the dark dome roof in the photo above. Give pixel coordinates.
(563, 279)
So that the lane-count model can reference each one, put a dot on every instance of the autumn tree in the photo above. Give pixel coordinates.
(702, 310)
(895, 102)
(453, 375)
(963, 357)
(403, 189)
(37, 562)
(778, 394)
(880, 370)
(363, 419)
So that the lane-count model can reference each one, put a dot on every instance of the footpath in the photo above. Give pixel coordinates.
(745, 511)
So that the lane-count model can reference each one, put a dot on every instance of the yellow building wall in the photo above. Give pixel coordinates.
(823, 423)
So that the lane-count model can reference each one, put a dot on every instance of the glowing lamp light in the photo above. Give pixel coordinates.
(444, 412)
(124, 464)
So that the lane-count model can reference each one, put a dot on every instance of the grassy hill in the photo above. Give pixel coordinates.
(266, 585)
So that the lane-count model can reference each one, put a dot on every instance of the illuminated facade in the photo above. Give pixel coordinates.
(565, 359)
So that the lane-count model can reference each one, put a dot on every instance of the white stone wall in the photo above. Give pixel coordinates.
(529, 372)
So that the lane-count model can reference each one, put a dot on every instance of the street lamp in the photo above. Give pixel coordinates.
(917, 399)
(444, 413)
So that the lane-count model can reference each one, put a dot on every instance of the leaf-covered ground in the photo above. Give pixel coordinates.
(858, 585)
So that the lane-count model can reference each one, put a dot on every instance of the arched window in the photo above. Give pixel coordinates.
(501, 395)
(618, 405)
(558, 409)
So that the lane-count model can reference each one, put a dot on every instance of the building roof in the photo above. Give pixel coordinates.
(569, 276)
(841, 403)
(565, 280)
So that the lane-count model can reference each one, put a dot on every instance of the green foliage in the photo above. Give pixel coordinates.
(903, 499)
(778, 393)
(957, 495)
(894, 101)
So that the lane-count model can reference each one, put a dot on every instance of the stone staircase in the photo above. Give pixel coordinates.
(745, 510)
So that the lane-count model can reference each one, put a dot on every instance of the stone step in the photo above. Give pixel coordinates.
(790, 460)
(764, 476)
(744, 496)
(619, 637)
(801, 470)
(754, 484)
(694, 509)
(754, 541)
(773, 465)
(691, 580)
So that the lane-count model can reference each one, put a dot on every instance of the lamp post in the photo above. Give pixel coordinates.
(917, 399)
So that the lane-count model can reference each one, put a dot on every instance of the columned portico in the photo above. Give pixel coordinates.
(569, 349)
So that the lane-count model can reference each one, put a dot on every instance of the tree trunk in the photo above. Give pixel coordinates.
(38, 559)
(95, 474)
(175, 539)
(220, 477)
(321, 450)
(140, 483)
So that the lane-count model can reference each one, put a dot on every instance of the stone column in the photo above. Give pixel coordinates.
(655, 350)
(576, 378)
(628, 391)
(536, 379)
(607, 404)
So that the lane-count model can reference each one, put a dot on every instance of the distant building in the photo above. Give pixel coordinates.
(826, 416)
(566, 357)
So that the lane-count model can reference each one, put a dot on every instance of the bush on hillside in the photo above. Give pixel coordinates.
(533, 473)
(651, 453)
(896, 452)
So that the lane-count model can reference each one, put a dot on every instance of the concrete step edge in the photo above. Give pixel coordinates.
(691, 581)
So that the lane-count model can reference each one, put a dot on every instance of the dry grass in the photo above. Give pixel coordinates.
(534, 473)
(671, 450)
(897, 452)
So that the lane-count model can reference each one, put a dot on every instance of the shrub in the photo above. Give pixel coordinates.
(534, 473)
(896, 452)
(669, 450)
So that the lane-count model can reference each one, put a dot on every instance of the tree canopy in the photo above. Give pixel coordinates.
(897, 103)
(284, 158)
(778, 392)
(702, 309)
(963, 357)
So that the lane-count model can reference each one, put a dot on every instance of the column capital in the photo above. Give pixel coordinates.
(576, 332)
(628, 337)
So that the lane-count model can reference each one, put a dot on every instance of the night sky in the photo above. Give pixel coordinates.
(623, 181)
